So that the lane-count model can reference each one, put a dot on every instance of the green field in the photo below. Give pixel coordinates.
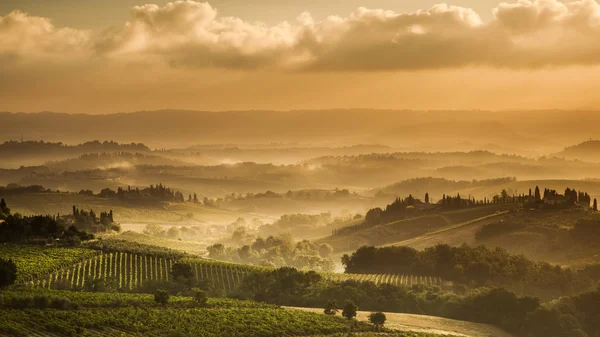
(34, 262)
(105, 314)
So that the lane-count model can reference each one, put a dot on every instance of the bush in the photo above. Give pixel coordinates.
(61, 303)
(40, 301)
(201, 297)
(8, 272)
(161, 297)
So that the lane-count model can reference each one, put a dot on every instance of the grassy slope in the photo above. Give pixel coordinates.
(430, 324)
(452, 235)
(410, 228)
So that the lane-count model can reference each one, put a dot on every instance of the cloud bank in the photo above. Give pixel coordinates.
(189, 34)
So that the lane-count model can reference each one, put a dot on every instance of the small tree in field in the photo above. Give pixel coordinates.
(377, 319)
(8, 272)
(595, 205)
(331, 308)
(200, 297)
(161, 297)
(349, 310)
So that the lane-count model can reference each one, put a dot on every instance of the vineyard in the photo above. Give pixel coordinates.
(393, 279)
(93, 317)
(126, 271)
(34, 262)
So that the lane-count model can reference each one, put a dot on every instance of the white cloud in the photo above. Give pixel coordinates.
(191, 34)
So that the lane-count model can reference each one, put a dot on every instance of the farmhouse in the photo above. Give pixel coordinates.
(555, 199)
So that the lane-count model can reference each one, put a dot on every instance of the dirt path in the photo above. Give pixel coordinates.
(430, 324)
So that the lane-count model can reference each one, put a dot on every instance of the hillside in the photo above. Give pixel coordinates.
(418, 225)
(431, 325)
(131, 216)
(586, 151)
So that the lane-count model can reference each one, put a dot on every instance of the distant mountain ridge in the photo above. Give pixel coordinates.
(540, 130)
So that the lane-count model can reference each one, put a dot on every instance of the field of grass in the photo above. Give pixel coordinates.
(37, 261)
(85, 314)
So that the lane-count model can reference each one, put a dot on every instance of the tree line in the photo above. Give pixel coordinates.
(472, 267)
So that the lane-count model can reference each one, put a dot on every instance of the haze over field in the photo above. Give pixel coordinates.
(265, 168)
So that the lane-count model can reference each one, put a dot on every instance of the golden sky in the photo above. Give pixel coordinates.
(114, 56)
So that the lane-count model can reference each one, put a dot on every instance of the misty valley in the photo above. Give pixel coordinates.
(101, 236)
(299, 168)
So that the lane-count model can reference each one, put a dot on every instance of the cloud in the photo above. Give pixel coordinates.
(30, 38)
(525, 34)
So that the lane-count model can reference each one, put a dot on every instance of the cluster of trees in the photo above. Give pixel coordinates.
(12, 189)
(158, 192)
(89, 220)
(393, 211)
(289, 222)
(38, 229)
(472, 267)
(575, 316)
(277, 252)
(300, 195)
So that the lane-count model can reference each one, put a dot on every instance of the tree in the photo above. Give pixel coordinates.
(8, 272)
(4, 210)
(427, 198)
(182, 271)
(538, 197)
(377, 319)
(161, 297)
(153, 229)
(201, 297)
(325, 250)
(595, 205)
(349, 310)
(331, 308)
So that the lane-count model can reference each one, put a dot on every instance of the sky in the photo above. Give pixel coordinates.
(107, 56)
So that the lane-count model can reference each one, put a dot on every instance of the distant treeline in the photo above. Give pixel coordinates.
(32, 148)
(158, 192)
(110, 160)
(550, 200)
(13, 189)
(302, 195)
(475, 267)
